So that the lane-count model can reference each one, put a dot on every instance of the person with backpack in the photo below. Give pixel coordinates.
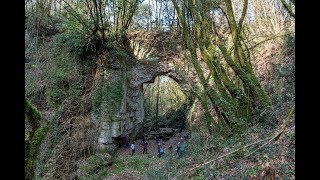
(145, 147)
(161, 151)
(178, 147)
(181, 149)
(142, 141)
(159, 147)
(133, 148)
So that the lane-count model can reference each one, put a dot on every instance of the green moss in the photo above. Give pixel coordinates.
(33, 149)
(96, 166)
(34, 138)
(107, 96)
(33, 116)
(65, 78)
(97, 98)
(189, 115)
(37, 139)
(112, 94)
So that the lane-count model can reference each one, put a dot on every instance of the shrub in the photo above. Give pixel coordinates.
(95, 164)
(65, 79)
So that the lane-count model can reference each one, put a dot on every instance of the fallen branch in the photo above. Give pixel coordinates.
(276, 137)
(270, 38)
(229, 153)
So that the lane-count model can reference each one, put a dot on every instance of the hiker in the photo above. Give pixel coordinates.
(159, 147)
(161, 151)
(181, 149)
(142, 140)
(126, 141)
(133, 148)
(178, 147)
(145, 147)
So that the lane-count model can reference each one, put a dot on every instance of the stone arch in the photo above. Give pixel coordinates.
(154, 63)
(135, 98)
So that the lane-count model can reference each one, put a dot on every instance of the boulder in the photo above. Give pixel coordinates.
(167, 131)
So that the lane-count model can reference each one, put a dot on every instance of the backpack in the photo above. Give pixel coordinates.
(181, 147)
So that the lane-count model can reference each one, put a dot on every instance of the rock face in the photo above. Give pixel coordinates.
(129, 119)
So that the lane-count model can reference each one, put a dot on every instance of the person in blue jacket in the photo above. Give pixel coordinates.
(133, 148)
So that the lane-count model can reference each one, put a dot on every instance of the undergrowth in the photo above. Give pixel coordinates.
(201, 148)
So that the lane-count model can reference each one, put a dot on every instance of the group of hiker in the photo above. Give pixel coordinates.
(144, 143)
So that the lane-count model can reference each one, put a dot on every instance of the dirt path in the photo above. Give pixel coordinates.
(152, 147)
(152, 151)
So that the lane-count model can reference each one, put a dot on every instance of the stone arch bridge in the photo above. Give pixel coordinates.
(157, 54)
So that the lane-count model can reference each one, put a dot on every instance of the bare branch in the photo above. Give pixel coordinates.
(288, 8)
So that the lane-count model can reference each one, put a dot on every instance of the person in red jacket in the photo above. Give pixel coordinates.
(145, 147)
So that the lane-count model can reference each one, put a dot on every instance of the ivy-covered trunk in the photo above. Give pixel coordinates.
(244, 70)
(232, 103)
(34, 137)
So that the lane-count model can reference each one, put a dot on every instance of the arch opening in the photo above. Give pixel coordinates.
(165, 106)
